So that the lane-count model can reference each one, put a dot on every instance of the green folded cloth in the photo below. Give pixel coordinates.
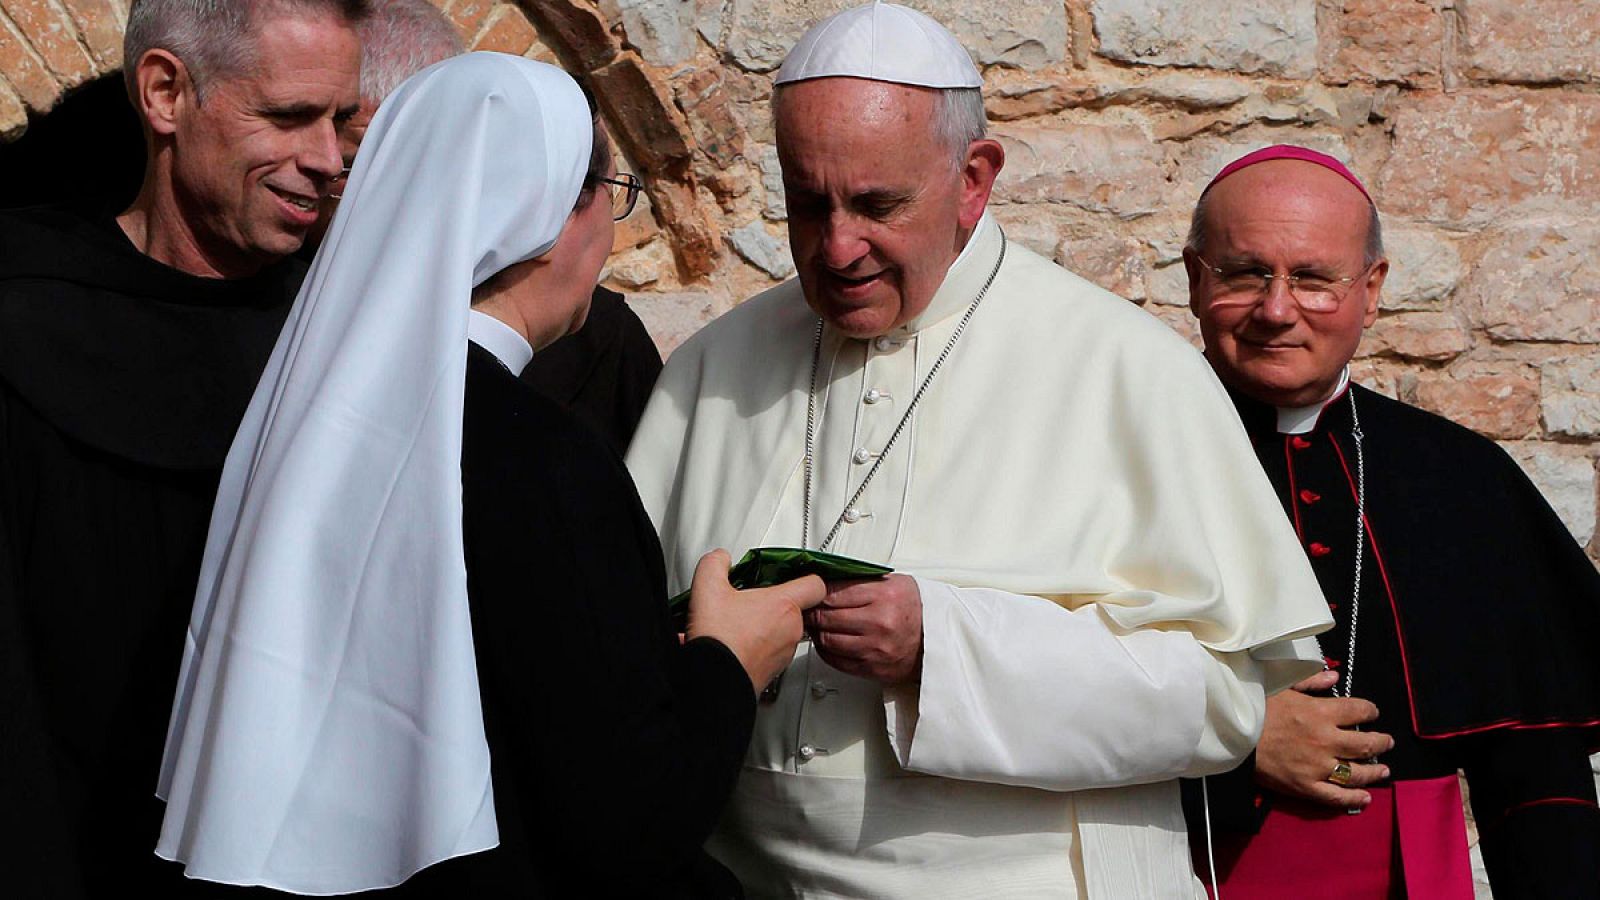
(765, 566)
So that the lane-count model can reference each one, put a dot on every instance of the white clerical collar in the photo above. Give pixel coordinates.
(962, 281)
(1301, 419)
(501, 340)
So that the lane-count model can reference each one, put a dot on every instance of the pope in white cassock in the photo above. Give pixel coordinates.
(1095, 588)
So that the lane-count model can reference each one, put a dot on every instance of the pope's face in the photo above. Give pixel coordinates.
(1283, 217)
(877, 207)
(253, 162)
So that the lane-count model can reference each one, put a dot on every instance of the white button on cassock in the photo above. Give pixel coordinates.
(807, 752)
(874, 395)
(883, 343)
(851, 516)
(861, 456)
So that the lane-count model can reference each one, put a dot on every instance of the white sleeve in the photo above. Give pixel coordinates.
(1018, 690)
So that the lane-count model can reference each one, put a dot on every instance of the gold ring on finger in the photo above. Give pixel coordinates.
(1340, 774)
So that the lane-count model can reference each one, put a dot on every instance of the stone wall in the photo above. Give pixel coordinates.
(1477, 122)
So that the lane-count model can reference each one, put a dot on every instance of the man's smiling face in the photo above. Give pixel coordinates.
(1283, 217)
(875, 200)
(254, 160)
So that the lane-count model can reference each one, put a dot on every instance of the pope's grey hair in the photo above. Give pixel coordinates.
(958, 119)
(213, 38)
(1197, 231)
(400, 39)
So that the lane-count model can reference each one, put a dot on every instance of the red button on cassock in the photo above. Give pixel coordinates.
(1319, 549)
(1309, 496)
(1299, 443)
(1330, 662)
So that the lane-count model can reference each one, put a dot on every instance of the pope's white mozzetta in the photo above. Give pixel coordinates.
(1108, 591)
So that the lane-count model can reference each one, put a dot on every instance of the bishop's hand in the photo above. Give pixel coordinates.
(871, 628)
(761, 625)
(1306, 737)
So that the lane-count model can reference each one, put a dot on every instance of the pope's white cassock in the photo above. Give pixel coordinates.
(1109, 586)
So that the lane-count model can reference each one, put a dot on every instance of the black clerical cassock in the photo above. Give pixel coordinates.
(1478, 615)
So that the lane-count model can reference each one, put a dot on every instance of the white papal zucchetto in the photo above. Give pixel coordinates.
(881, 42)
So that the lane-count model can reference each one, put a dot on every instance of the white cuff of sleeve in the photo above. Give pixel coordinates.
(1017, 690)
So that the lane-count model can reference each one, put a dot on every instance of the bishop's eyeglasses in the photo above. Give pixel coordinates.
(1246, 285)
(622, 203)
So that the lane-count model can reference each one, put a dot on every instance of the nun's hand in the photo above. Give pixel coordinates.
(761, 625)
(871, 628)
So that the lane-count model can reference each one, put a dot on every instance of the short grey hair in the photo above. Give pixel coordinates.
(958, 119)
(1197, 231)
(401, 38)
(211, 37)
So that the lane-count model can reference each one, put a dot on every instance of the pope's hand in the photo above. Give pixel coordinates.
(871, 628)
(761, 626)
(1305, 737)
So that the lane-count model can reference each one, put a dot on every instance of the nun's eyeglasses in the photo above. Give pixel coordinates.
(622, 204)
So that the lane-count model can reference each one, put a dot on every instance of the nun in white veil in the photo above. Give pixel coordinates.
(430, 622)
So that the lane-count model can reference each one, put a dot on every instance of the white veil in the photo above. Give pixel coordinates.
(327, 735)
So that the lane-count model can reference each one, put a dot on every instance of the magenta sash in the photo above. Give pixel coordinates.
(1411, 841)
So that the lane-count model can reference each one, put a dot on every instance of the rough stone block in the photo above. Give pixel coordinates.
(1167, 284)
(1469, 158)
(1111, 169)
(1020, 33)
(1384, 40)
(27, 73)
(507, 31)
(766, 252)
(1187, 91)
(648, 124)
(1424, 268)
(1113, 262)
(13, 115)
(772, 183)
(694, 237)
(1538, 283)
(1431, 336)
(708, 17)
(1274, 37)
(1500, 400)
(469, 15)
(1566, 477)
(1030, 227)
(54, 38)
(639, 267)
(672, 318)
(99, 24)
(1179, 320)
(579, 30)
(711, 117)
(1380, 375)
(1200, 159)
(663, 31)
(1570, 398)
(1531, 40)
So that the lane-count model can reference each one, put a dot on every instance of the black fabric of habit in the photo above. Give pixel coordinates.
(122, 382)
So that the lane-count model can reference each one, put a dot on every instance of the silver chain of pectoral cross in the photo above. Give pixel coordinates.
(811, 412)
